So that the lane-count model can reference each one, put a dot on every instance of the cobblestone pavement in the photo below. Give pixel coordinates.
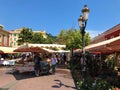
(61, 80)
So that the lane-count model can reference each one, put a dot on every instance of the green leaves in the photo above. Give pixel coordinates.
(91, 84)
(25, 36)
(72, 38)
(37, 38)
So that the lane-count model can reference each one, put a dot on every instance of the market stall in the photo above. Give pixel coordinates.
(27, 65)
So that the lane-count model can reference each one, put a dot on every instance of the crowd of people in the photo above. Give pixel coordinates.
(51, 61)
(46, 61)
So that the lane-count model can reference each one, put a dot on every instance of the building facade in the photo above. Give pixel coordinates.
(42, 32)
(14, 35)
(4, 37)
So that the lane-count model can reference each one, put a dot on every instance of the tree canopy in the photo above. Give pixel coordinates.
(25, 36)
(50, 39)
(37, 38)
(72, 38)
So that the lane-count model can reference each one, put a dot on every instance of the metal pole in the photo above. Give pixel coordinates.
(83, 52)
(82, 24)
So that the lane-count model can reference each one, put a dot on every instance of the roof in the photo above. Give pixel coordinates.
(4, 31)
(16, 31)
(107, 32)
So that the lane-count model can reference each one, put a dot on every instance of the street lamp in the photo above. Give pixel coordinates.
(82, 21)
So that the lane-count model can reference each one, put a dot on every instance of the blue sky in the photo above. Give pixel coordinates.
(55, 15)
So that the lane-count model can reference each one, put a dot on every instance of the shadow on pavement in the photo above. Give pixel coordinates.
(19, 76)
(26, 75)
(4, 88)
(59, 84)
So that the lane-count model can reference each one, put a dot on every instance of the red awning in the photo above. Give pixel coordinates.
(31, 49)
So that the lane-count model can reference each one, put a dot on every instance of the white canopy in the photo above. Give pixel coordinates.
(63, 51)
(7, 49)
(102, 43)
(43, 45)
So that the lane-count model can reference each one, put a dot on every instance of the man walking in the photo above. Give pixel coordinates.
(37, 66)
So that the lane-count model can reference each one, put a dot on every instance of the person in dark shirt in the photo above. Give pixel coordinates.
(37, 60)
(65, 58)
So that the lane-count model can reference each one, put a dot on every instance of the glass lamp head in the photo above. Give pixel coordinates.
(85, 12)
(80, 21)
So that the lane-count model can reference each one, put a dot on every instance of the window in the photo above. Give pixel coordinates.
(14, 34)
(14, 39)
(5, 40)
(14, 43)
(11, 44)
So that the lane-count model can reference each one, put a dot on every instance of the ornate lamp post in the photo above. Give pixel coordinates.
(82, 24)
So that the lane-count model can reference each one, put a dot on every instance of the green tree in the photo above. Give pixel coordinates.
(72, 38)
(25, 36)
(61, 38)
(37, 38)
(50, 39)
